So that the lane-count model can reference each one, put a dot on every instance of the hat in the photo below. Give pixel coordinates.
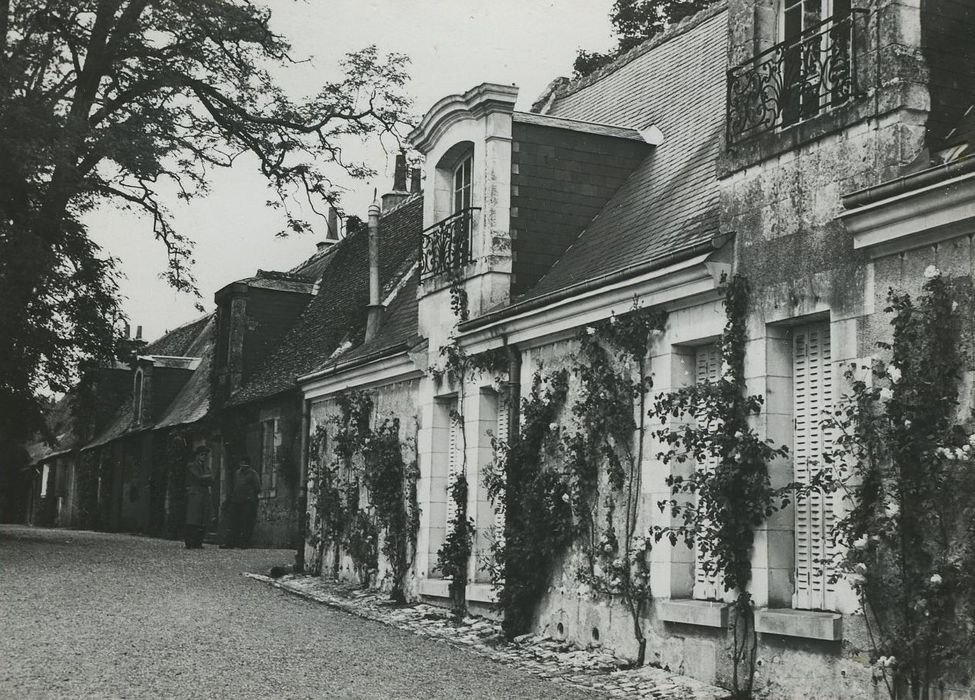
(202, 449)
(244, 462)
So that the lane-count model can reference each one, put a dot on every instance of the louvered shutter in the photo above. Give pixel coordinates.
(707, 586)
(454, 462)
(815, 518)
(275, 451)
(502, 435)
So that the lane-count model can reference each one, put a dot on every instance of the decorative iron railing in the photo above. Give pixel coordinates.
(795, 80)
(448, 244)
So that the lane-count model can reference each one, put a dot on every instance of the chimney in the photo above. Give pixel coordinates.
(138, 332)
(415, 180)
(126, 330)
(375, 309)
(399, 193)
(332, 234)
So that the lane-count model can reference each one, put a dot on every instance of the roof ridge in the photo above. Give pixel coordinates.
(671, 32)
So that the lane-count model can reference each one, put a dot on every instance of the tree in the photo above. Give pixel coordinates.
(113, 102)
(635, 21)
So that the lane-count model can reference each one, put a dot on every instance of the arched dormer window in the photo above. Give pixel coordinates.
(448, 244)
(462, 183)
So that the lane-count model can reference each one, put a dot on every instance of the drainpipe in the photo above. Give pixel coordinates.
(513, 391)
(303, 487)
(375, 309)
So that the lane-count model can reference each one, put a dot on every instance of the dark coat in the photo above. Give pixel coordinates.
(247, 486)
(198, 480)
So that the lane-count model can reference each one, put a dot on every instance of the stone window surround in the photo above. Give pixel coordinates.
(769, 363)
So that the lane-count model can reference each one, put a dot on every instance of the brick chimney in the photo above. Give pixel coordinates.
(399, 193)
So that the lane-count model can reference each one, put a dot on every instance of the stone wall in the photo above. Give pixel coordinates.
(391, 401)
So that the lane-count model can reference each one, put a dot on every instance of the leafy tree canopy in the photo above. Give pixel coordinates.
(114, 101)
(634, 21)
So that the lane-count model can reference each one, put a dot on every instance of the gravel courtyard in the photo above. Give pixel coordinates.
(86, 614)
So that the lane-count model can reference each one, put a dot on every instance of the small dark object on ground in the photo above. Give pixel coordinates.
(278, 571)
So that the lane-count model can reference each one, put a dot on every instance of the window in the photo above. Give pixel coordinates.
(270, 441)
(707, 368)
(462, 184)
(455, 461)
(811, 55)
(812, 377)
(502, 435)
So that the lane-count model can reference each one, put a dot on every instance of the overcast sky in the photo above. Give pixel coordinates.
(453, 44)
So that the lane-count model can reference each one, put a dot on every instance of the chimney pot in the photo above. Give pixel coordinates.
(399, 174)
(332, 235)
(138, 332)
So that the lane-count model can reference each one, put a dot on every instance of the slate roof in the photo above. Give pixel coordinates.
(338, 311)
(676, 82)
(179, 341)
(60, 423)
(399, 329)
(191, 403)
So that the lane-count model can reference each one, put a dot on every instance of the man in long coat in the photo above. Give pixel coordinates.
(198, 480)
(243, 505)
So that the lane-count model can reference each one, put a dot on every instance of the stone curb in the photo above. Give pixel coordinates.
(585, 669)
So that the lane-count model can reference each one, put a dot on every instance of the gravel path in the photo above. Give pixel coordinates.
(86, 614)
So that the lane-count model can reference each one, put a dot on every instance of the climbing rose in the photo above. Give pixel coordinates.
(590, 330)
(895, 374)
(936, 579)
(931, 272)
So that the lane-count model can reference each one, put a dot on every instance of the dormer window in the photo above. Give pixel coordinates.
(448, 245)
(462, 184)
(811, 70)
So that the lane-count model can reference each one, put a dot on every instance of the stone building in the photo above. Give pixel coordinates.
(822, 150)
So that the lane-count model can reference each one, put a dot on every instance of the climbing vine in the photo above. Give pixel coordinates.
(718, 509)
(905, 464)
(610, 429)
(364, 456)
(537, 504)
(455, 553)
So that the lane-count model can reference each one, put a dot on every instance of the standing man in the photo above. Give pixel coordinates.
(198, 480)
(243, 505)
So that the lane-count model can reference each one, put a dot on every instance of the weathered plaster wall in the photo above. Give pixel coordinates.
(397, 400)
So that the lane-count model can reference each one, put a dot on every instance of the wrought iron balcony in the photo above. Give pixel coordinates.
(448, 244)
(795, 80)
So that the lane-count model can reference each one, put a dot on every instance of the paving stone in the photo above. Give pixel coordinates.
(591, 669)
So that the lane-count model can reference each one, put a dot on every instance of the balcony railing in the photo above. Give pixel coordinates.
(795, 80)
(448, 244)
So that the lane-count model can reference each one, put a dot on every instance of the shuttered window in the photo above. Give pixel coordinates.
(455, 461)
(501, 432)
(812, 376)
(707, 586)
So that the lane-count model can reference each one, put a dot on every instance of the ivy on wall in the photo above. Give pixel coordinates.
(719, 509)
(455, 554)
(609, 437)
(363, 456)
(904, 463)
(537, 505)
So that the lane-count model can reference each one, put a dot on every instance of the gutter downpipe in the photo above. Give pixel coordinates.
(303, 486)
(595, 282)
(375, 309)
(513, 390)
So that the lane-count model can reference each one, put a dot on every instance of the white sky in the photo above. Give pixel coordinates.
(453, 44)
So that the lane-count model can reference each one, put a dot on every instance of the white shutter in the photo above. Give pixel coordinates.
(275, 449)
(812, 378)
(501, 434)
(707, 586)
(454, 462)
